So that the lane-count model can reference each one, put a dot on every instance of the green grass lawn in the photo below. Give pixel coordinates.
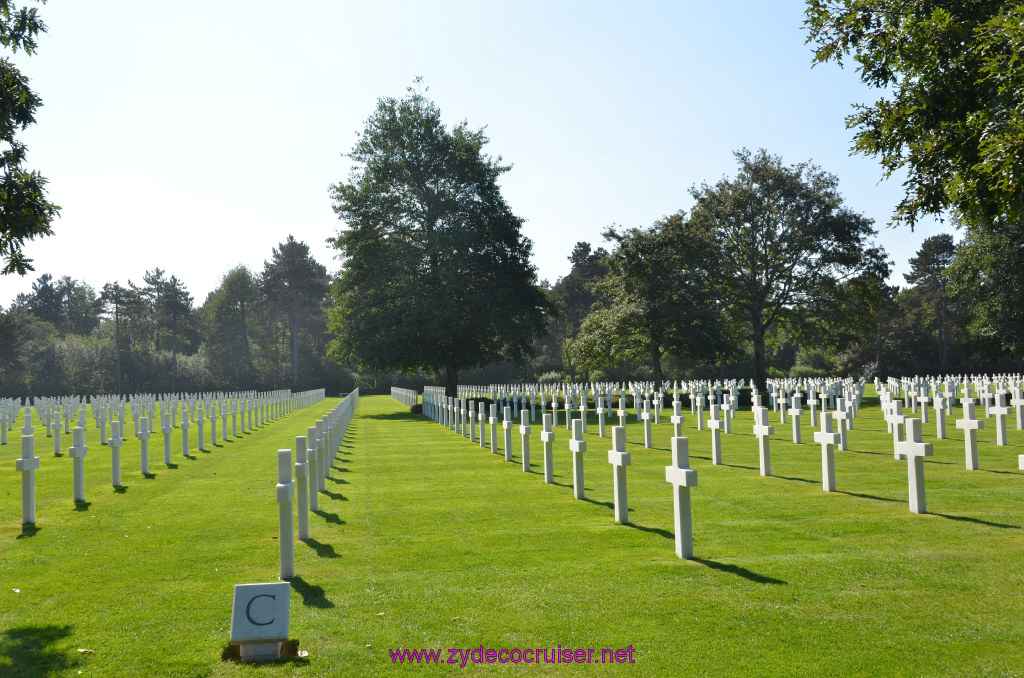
(426, 540)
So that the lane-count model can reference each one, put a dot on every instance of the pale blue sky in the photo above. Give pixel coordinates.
(196, 135)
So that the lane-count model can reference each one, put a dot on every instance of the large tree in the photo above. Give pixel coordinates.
(231, 324)
(659, 296)
(25, 212)
(436, 271)
(789, 248)
(295, 286)
(950, 113)
(574, 298)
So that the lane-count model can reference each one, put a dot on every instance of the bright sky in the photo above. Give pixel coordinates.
(197, 135)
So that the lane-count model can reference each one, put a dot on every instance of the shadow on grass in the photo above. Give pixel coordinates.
(606, 504)
(396, 415)
(979, 521)
(799, 480)
(82, 505)
(871, 496)
(343, 461)
(653, 530)
(171, 466)
(335, 495)
(312, 595)
(881, 454)
(340, 481)
(323, 550)
(739, 571)
(190, 457)
(749, 468)
(28, 530)
(149, 476)
(30, 650)
(120, 489)
(332, 518)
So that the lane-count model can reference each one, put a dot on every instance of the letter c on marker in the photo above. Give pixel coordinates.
(248, 614)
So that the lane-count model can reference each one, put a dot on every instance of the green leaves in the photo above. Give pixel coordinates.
(952, 117)
(25, 212)
(436, 270)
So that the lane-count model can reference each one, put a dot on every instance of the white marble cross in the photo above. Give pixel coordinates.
(27, 465)
(547, 436)
(314, 469)
(1000, 410)
(601, 410)
(795, 412)
(493, 422)
(506, 425)
(143, 436)
(77, 452)
(682, 478)
(828, 441)
(619, 458)
(970, 427)
(677, 419)
(524, 431)
(715, 424)
(115, 442)
(762, 430)
(646, 417)
(578, 447)
(940, 416)
(285, 491)
(914, 450)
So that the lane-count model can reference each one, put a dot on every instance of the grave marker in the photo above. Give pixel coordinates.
(27, 465)
(547, 436)
(524, 431)
(578, 447)
(915, 451)
(682, 478)
(970, 426)
(77, 452)
(619, 458)
(828, 440)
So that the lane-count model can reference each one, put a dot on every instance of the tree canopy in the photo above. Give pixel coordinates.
(951, 114)
(436, 271)
(25, 212)
(789, 248)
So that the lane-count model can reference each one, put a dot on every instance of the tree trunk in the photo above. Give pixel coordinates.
(451, 380)
(760, 378)
(656, 364)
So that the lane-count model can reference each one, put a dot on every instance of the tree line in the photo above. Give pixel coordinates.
(260, 330)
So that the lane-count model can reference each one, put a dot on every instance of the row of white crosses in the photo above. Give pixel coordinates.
(406, 396)
(447, 410)
(29, 462)
(315, 453)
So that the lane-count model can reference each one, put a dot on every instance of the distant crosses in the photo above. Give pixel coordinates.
(715, 424)
(828, 441)
(115, 442)
(301, 482)
(506, 424)
(524, 431)
(77, 452)
(143, 436)
(915, 451)
(677, 420)
(619, 459)
(682, 478)
(578, 447)
(27, 465)
(970, 426)
(762, 430)
(795, 412)
(1000, 411)
(940, 416)
(844, 415)
(547, 436)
